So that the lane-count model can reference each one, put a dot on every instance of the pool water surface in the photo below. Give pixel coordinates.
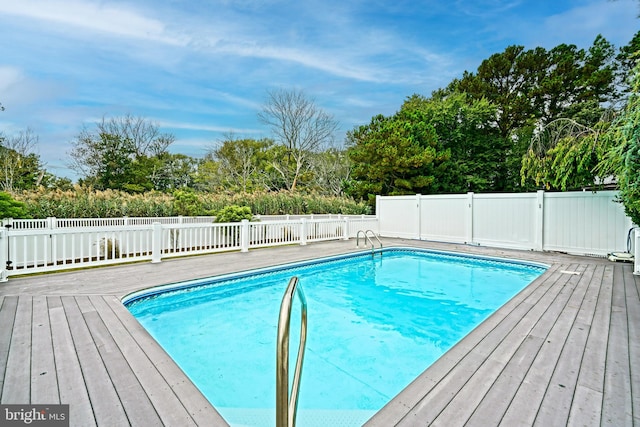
(374, 324)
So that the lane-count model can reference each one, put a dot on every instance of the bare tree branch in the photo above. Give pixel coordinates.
(299, 126)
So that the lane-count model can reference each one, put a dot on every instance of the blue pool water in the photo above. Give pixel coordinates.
(375, 323)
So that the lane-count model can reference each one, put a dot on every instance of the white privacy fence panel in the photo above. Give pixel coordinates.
(585, 224)
(575, 222)
(440, 218)
(505, 220)
(401, 216)
(55, 244)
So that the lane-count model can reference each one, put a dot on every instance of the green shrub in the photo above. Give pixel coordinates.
(11, 208)
(234, 213)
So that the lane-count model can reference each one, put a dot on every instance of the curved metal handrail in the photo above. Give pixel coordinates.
(366, 233)
(286, 406)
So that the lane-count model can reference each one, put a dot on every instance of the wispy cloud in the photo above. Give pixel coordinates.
(93, 16)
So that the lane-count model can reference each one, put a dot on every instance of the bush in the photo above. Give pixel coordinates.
(11, 208)
(234, 213)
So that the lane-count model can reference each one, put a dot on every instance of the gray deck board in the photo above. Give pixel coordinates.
(617, 407)
(71, 384)
(8, 307)
(564, 351)
(44, 384)
(17, 378)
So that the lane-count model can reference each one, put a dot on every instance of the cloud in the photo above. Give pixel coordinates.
(96, 17)
(580, 25)
(204, 127)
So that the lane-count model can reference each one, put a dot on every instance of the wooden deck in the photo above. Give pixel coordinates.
(565, 351)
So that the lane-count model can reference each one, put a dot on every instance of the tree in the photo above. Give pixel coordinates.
(464, 127)
(11, 208)
(331, 170)
(566, 155)
(299, 126)
(20, 167)
(628, 132)
(394, 155)
(241, 162)
(532, 88)
(117, 153)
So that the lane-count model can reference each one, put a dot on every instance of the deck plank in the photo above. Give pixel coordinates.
(71, 384)
(105, 402)
(633, 318)
(44, 381)
(17, 379)
(7, 319)
(617, 406)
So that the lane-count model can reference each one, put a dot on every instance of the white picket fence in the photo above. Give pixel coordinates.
(583, 223)
(52, 244)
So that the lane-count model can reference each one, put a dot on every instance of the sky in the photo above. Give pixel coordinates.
(201, 69)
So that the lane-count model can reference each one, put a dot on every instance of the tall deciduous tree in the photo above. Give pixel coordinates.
(300, 127)
(241, 162)
(20, 167)
(116, 153)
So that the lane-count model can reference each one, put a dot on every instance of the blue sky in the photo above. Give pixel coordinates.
(201, 69)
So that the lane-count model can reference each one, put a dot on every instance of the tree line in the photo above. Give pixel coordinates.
(525, 119)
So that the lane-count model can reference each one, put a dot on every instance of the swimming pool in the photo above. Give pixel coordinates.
(375, 323)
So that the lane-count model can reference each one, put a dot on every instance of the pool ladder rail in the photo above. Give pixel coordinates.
(366, 234)
(287, 405)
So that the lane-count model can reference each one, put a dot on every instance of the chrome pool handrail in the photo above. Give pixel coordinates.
(286, 406)
(366, 233)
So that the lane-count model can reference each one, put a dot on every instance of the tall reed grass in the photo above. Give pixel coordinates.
(82, 202)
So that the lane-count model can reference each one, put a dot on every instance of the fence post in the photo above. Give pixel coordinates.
(539, 221)
(244, 235)
(303, 231)
(52, 222)
(636, 255)
(156, 243)
(469, 219)
(4, 256)
(345, 231)
(419, 216)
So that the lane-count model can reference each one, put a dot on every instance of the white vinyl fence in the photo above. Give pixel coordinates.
(582, 223)
(32, 246)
